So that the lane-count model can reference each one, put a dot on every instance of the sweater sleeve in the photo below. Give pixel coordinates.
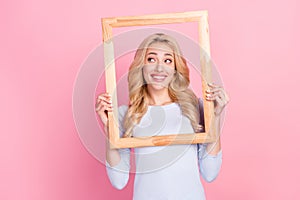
(210, 165)
(119, 174)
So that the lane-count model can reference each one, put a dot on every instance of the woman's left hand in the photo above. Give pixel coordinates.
(217, 94)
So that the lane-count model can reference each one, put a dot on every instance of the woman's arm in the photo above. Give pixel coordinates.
(215, 147)
(220, 98)
(117, 160)
(112, 155)
(210, 155)
(118, 166)
(210, 165)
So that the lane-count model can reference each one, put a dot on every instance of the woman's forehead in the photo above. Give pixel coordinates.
(161, 47)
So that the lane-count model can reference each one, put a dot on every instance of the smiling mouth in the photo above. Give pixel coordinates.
(158, 78)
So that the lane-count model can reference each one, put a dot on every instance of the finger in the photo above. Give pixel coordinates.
(218, 98)
(221, 91)
(103, 97)
(105, 94)
(108, 105)
(221, 95)
(214, 90)
(219, 88)
(200, 128)
(102, 111)
(99, 108)
(212, 95)
(219, 101)
(103, 105)
(103, 102)
(109, 110)
(106, 108)
(213, 85)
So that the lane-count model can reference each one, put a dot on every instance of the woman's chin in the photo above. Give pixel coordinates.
(157, 86)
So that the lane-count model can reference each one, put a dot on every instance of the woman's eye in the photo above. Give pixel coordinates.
(168, 61)
(151, 60)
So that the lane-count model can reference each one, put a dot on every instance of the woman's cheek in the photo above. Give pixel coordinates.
(146, 72)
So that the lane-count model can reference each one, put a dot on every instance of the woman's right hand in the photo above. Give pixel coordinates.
(103, 105)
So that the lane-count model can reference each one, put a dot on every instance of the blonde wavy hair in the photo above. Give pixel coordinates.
(178, 89)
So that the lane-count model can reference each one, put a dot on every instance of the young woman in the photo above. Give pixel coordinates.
(162, 103)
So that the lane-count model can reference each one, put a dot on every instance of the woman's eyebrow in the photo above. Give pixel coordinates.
(166, 54)
(152, 53)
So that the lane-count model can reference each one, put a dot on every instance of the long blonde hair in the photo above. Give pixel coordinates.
(178, 88)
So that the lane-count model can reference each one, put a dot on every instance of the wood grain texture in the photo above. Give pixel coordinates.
(110, 74)
(171, 139)
(205, 62)
(204, 41)
(145, 20)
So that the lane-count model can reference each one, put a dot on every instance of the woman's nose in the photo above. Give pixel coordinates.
(159, 67)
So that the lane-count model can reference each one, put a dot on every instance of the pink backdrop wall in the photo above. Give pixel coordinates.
(255, 45)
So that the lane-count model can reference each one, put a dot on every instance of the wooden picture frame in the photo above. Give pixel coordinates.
(171, 18)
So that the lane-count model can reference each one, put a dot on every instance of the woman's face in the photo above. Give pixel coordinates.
(159, 66)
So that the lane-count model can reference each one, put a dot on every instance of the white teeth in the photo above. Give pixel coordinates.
(158, 77)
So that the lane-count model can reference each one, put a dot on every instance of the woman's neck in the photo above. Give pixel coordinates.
(159, 97)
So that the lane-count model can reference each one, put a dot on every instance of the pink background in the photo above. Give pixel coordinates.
(43, 44)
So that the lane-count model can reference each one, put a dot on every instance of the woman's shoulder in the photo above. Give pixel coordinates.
(122, 109)
(200, 100)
